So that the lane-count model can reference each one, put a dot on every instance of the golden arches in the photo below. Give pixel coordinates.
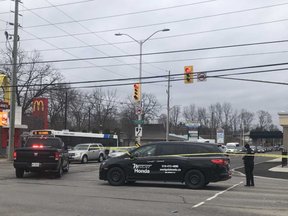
(5, 80)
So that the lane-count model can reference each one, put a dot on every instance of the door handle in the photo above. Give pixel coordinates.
(150, 161)
(160, 161)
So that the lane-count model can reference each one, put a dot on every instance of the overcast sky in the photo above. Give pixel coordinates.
(249, 95)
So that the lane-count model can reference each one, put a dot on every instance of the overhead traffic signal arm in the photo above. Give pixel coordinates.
(137, 92)
(188, 74)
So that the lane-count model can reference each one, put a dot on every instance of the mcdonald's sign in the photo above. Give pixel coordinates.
(39, 105)
(40, 109)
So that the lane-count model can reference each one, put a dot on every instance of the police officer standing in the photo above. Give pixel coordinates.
(249, 165)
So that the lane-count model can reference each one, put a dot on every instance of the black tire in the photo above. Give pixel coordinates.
(66, 169)
(84, 159)
(194, 179)
(58, 174)
(19, 173)
(116, 176)
(101, 158)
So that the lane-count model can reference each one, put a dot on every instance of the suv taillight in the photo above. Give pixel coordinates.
(56, 155)
(220, 161)
(15, 155)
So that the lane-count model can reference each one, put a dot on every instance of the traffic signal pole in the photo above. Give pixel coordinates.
(140, 81)
(14, 82)
(168, 110)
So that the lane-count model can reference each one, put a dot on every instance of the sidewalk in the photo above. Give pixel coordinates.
(278, 168)
(4, 160)
(271, 169)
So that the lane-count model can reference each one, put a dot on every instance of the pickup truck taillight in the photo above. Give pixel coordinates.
(56, 155)
(220, 161)
(15, 155)
(37, 146)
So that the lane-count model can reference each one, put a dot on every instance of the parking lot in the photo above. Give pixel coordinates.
(80, 192)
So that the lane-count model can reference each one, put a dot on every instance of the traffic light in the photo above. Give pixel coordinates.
(188, 74)
(136, 92)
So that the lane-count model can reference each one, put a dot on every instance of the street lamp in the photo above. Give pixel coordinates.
(141, 42)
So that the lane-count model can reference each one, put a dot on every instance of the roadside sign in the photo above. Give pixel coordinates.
(139, 111)
(138, 122)
(193, 124)
(220, 136)
(201, 77)
(138, 131)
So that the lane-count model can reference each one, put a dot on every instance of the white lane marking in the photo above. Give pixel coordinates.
(199, 204)
(217, 194)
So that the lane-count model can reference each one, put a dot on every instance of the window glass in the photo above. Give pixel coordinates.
(194, 149)
(172, 149)
(145, 151)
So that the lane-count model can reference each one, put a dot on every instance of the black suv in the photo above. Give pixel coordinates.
(161, 162)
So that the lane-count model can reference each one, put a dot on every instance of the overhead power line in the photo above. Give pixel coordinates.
(178, 60)
(155, 53)
(98, 37)
(172, 75)
(160, 23)
(45, 7)
(253, 80)
(164, 37)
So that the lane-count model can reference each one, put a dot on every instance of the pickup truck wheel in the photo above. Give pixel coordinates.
(101, 158)
(19, 173)
(58, 174)
(66, 169)
(116, 176)
(195, 179)
(84, 159)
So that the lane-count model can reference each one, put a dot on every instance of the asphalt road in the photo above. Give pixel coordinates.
(81, 193)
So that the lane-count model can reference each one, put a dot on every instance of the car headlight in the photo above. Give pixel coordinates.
(78, 154)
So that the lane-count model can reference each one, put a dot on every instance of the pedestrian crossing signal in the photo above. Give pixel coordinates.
(188, 74)
(136, 92)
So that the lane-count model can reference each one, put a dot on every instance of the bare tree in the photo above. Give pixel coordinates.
(29, 76)
(246, 118)
(190, 113)
(103, 108)
(227, 111)
(162, 120)
(175, 115)
(265, 120)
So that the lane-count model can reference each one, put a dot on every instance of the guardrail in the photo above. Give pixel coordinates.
(284, 159)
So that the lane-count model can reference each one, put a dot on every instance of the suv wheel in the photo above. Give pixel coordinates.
(84, 159)
(194, 179)
(116, 176)
(101, 158)
(19, 173)
(66, 169)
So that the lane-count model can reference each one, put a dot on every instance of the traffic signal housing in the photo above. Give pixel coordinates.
(137, 92)
(188, 74)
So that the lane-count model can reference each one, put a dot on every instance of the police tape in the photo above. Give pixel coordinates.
(124, 149)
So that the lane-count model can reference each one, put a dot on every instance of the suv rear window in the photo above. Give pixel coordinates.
(172, 149)
(202, 148)
(52, 143)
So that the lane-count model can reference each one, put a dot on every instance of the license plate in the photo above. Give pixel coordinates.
(35, 164)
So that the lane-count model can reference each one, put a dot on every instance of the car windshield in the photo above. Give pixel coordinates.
(230, 147)
(81, 147)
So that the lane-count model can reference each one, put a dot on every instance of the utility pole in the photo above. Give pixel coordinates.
(14, 82)
(89, 117)
(66, 107)
(168, 109)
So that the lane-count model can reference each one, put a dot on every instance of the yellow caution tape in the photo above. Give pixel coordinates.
(195, 154)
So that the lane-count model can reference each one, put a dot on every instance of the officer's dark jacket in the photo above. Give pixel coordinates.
(249, 159)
